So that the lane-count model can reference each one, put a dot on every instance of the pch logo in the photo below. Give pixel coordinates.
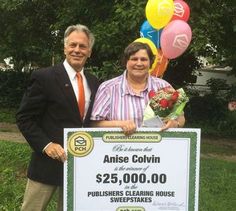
(179, 10)
(181, 41)
(80, 144)
(164, 9)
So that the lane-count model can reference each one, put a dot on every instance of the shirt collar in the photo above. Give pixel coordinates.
(71, 71)
(126, 89)
(150, 83)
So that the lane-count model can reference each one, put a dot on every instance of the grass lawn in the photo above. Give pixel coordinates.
(7, 115)
(217, 179)
(217, 185)
(14, 158)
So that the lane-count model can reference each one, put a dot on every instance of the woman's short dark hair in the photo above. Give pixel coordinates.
(134, 47)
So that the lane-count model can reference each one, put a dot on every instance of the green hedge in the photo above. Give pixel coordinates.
(209, 112)
(206, 108)
(12, 87)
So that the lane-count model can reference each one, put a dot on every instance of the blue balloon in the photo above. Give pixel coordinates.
(150, 33)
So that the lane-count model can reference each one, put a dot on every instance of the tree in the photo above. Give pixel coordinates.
(26, 33)
(214, 30)
(32, 32)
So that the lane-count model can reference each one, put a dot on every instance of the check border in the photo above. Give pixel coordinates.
(191, 134)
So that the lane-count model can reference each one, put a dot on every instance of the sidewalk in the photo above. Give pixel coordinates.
(10, 132)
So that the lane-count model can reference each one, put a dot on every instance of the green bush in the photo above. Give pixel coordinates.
(207, 108)
(210, 112)
(12, 87)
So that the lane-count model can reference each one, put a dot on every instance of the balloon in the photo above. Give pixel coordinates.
(149, 32)
(152, 46)
(160, 68)
(182, 11)
(159, 12)
(175, 38)
(149, 42)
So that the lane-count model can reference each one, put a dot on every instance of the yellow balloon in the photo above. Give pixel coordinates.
(159, 12)
(153, 48)
(149, 42)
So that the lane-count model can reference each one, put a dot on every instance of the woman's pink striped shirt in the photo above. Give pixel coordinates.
(115, 100)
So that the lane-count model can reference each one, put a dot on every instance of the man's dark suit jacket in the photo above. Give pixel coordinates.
(48, 106)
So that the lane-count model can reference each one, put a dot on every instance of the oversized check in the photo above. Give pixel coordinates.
(147, 171)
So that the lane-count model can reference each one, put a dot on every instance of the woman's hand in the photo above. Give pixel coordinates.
(128, 127)
(174, 123)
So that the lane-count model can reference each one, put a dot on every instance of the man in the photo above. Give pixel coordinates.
(56, 98)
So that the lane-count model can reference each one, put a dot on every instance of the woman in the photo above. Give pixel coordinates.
(120, 102)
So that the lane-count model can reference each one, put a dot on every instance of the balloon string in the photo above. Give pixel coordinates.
(158, 37)
(167, 61)
(158, 68)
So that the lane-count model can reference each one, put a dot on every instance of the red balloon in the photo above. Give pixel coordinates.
(182, 11)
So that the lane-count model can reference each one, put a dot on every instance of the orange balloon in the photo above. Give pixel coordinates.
(161, 65)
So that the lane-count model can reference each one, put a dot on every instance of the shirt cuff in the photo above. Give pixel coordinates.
(46, 146)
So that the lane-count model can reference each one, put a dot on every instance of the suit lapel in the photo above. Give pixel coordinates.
(93, 89)
(66, 87)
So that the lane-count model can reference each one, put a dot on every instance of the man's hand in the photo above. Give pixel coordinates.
(55, 151)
